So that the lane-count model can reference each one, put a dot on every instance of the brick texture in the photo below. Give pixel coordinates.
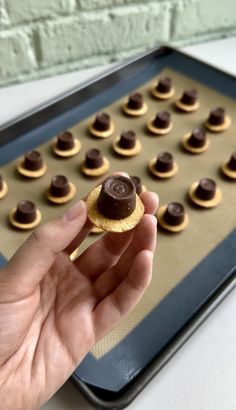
(16, 54)
(46, 37)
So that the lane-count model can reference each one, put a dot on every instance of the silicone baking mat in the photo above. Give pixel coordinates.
(178, 254)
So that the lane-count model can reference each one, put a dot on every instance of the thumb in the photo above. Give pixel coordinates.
(35, 257)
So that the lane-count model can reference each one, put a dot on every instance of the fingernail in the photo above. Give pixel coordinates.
(75, 211)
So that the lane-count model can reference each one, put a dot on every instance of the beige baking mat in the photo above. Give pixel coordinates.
(177, 254)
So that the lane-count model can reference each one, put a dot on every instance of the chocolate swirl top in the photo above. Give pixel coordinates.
(174, 214)
(59, 186)
(189, 97)
(65, 141)
(33, 160)
(135, 101)
(217, 116)
(117, 198)
(232, 162)
(164, 85)
(162, 119)
(127, 139)
(206, 189)
(102, 122)
(197, 138)
(25, 212)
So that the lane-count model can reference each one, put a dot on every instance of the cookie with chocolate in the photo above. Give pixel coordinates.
(161, 124)
(95, 164)
(205, 193)
(32, 165)
(188, 102)
(163, 90)
(135, 106)
(115, 206)
(66, 145)
(3, 187)
(138, 184)
(127, 145)
(218, 120)
(163, 166)
(229, 168)
(196, 141)
(173, 217)
(60, 190)
(102, 127)
(25, 216)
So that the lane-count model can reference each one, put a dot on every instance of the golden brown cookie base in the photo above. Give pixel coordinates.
(23, 226)
(95, 230)
(171, 228)
(74, 254)
(4, 190)
(158, 131)
(187, 108)
(221, 127)
(194, 150)
(62, 199)
(111, 225)
(135, 113)
(31, 174)
(67, 153)
(228, 172)
(162, 175)
(162, 96)
(200, 202)
(102, 134)
(96, 172)
(127, 152)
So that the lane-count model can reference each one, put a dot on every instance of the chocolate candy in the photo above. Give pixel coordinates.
(102, 122)
(93, 158)
(189, 97)
(127, 139)
(137, 183)
(33, 161)
(162, 119)
(174, 214)
(232, 162)
(135, 101)
(1, 182)
(217, 116)
(117, 198)
(164, 162)
(59, 186)
(25, 212)
(206, 189)
(164, 85)
(197, 138)
(65, 141)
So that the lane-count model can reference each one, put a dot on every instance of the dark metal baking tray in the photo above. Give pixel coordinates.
(199, 292)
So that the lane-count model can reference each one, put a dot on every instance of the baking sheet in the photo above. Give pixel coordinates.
(177, 254)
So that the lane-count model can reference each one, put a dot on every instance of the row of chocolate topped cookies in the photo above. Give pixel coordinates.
(160, 124)
(26, 214)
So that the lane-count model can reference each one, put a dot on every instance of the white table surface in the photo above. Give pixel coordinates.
(201, 376)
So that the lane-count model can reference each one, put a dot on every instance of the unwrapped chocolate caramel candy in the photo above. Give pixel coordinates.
(114, 206)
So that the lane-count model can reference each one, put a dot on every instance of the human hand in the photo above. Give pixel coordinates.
(52, 310)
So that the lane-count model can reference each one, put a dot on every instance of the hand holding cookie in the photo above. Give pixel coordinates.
(54, 310)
